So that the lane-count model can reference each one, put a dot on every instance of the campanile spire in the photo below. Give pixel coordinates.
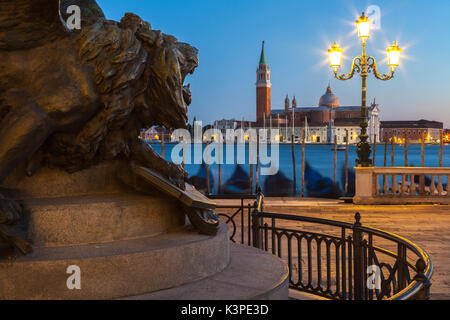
(263, 85)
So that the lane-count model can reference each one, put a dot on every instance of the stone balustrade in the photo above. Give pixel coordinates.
(397, 185)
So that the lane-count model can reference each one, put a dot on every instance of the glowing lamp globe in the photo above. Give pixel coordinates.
(363, 25)
(394, 53)
(335, 53)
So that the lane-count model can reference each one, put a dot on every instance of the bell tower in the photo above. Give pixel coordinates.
(263, 85)
(287, 104)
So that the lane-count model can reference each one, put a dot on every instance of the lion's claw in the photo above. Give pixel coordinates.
(177, 175)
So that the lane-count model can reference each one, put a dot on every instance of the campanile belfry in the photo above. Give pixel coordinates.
(263, 104)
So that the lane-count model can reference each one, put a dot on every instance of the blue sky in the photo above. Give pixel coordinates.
(229, 33)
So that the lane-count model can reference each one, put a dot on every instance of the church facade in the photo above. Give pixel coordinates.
(322, 123)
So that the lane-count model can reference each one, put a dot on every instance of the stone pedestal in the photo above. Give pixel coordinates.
(364, 186)
(126, 245)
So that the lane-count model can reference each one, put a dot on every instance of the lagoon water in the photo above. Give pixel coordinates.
(320, 158)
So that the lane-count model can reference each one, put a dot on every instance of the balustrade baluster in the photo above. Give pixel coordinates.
(432, 186)
(394, 183)
(378, 190)
(440, 187)
(422, 184)
(386, 184)
(412, 188)
(404, 188)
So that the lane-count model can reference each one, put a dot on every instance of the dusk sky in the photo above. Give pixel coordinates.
(297, 34)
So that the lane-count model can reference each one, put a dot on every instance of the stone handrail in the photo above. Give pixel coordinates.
(399, 185)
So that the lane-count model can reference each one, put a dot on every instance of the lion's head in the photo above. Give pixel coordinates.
(139, 74)
(169, 62)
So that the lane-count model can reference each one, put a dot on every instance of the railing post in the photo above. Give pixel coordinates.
(257, 220)
(358, 263)
(256, 230)
(402, 267)
(424, 293)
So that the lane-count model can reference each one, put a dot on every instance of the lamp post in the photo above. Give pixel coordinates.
(364, 65)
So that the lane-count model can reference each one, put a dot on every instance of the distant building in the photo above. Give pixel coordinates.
(224, 125)
(148, 135)
(263, 87)
(447, 136)
(322, 123)
(414, 130)
(154, 133)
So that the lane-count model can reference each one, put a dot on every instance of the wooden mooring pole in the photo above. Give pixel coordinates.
(374, 150)
(441, 147)
(346, 162)
(250, 154)
(257, 158)
(422, 155)
(219, 186)
(385, 157)
(335, 158)
(303, 163)
(208, 189)
(406, 148)
(422, 151)
(392, 150)
(294, 186)
(441, 143)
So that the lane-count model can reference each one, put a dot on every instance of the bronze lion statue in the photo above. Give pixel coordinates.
(72, 99)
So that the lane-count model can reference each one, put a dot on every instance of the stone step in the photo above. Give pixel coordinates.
(116, 269)
(53, 182)
(251, 275)
(66, 221)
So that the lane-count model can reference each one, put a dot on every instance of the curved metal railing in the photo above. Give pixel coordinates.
(346, 266)
(335, 259)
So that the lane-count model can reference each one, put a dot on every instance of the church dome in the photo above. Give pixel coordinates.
(329, 99)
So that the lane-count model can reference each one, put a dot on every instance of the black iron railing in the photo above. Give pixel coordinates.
(241, 214)
(347, 262)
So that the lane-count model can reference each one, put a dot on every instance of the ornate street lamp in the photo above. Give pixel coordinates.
(364, 65)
